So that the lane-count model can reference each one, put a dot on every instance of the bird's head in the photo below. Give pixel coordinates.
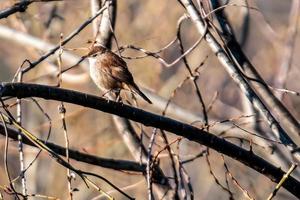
(95, 49)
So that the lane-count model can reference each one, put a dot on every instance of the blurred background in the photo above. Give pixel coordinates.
(150, 24)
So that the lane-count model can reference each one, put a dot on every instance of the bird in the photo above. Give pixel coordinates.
(110, 72)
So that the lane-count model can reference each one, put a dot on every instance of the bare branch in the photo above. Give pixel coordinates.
(65, 41)
(18, 7)
(232, 67)
(149, 119)
(122, 165)
(241, 60)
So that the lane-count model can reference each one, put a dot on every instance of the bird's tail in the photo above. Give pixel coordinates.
(136, 89)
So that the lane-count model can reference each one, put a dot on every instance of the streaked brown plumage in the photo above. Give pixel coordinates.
(110, 72)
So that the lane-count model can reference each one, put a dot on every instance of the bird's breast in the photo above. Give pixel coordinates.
(95, 73)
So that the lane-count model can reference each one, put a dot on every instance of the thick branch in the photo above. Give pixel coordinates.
(22, 90)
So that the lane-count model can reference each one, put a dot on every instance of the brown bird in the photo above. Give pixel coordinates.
(110, 72)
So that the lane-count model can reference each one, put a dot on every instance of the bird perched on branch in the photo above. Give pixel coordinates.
(110, 72)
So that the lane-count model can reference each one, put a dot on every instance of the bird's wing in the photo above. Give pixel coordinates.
(122, 74)
(116, 67)
(116, 60)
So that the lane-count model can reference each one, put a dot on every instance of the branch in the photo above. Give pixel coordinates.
(231, 63)
(103, 27)
(227, 30)
(121, 165)
(159, 102)
(271, 100)
(248, 158)
(65, 41)
(18, 7)
(83, 157)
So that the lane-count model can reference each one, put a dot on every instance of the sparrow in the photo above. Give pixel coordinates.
(110, 72)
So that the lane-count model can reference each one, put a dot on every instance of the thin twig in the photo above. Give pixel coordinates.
(245, 192)
(173, 162)
(198, 92)
(5, 158)
(184, 177)
(149, 164)
(62, 112)
(59, 159)
(115, 164)
(20, 143)
(65, 41)
(284, 178)
(214, 176)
